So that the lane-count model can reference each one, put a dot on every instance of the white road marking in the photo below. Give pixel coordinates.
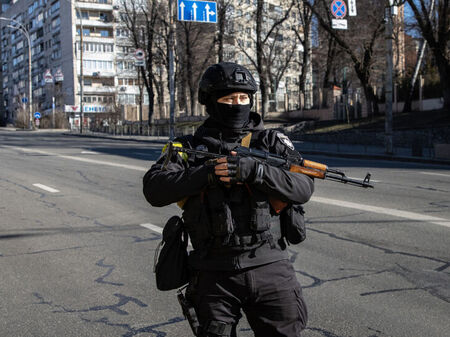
(154, 228)
(382, 210)
(86, 160)
(436, 174)
(88, 152)
(159, 230)
(46, 188)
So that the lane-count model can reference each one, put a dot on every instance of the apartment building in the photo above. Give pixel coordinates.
(58, 28)
(55, 28)
(51, 51)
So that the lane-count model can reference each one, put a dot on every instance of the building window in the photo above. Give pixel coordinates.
(55, 7)
(84, 15)
(55, 23)
(104, 33)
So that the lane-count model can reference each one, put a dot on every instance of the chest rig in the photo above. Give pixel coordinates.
(220, 216)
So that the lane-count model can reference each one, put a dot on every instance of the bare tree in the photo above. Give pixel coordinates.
(303, 33)
(196, 47)
(435, 29)
(273, 51)
(361, 48)
(223, 9)
(141, 20)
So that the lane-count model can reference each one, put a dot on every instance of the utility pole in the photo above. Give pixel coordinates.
(171, 71)
(81, 70)
(388, 125)
(140, 99)
(388, 90)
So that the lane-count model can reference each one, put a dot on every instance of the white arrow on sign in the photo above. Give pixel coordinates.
(208, 12)
(182, 5)
(194, 6)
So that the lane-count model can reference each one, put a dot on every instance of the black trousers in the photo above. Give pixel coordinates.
(269, 295)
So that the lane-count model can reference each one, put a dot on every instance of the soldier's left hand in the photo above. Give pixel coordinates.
(234, 169)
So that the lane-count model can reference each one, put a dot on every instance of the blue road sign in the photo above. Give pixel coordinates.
(37, 115)
(338, 9)
(198, 11)
(24, 100)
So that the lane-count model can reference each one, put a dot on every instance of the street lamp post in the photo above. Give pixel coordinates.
(22, 29)
(81, 63)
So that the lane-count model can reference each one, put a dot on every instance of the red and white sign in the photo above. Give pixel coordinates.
(72, 108)
(59, 76)
(139, 54)
(48, 78)
(339, 9)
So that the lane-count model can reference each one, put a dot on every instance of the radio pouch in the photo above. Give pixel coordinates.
(292, 224)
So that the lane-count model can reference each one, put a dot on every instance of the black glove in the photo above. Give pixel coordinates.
(241, 169)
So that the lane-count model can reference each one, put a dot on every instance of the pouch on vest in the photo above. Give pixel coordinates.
(292, 223)
(260, 218)
(219, 213)
(171, 256)
(196, 222)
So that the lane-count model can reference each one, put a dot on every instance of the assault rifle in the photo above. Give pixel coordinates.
(308, 167)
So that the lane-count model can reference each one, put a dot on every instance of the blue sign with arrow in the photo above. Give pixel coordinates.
(197, 11)
(37, 115)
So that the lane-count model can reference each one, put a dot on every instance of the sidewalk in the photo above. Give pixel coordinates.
(327, 149)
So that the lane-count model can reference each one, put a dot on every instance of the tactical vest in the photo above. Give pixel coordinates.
(220, 216)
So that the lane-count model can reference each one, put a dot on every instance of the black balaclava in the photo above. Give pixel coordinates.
(231, 116)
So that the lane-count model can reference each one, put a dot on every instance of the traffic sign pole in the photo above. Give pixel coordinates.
(171, 71)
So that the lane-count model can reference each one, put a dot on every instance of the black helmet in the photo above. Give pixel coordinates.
(223, 78)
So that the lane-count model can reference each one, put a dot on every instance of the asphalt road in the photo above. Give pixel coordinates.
(76, 260)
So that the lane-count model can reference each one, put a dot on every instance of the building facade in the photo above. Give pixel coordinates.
(55, 29)
(64, 32)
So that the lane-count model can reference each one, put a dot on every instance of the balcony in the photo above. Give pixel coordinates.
(98, 90)
(95, 5)
(95, 23)
(96, 73)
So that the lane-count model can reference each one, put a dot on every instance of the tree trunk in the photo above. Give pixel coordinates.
(408, 100)
(221, 31)
(444, 75)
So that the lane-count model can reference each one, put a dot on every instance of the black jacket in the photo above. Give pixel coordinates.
(188, 177)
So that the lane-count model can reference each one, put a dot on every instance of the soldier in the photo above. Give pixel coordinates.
(232, 208)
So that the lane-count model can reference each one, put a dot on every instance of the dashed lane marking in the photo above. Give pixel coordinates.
(382, 210)
(46, 188)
